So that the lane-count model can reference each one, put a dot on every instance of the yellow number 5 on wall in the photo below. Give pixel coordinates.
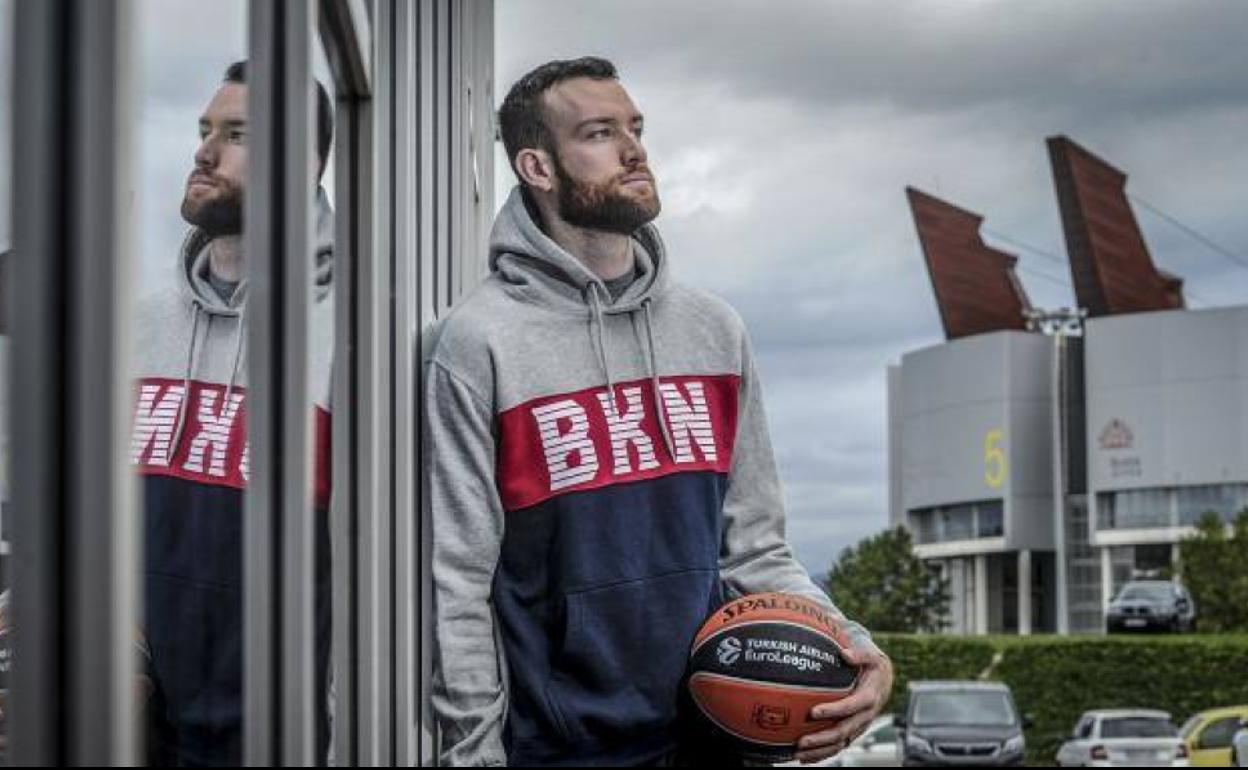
(994, 458)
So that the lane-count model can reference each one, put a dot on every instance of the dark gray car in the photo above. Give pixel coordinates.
(960, 723)
(1143, 605)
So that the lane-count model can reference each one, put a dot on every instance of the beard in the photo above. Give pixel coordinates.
(601, 206)
(221, 214)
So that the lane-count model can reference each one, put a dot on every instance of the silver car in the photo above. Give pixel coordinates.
(1124, 738)
(876, 747)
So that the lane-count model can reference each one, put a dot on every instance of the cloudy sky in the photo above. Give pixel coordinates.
(784, 133)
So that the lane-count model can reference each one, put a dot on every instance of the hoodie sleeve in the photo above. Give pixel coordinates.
(754, 555)
(469, 697)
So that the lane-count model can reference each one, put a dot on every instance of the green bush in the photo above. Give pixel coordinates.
(933, 657)
(1055, 679)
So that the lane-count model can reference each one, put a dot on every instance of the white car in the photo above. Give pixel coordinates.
(1124, 738)
(877, 747)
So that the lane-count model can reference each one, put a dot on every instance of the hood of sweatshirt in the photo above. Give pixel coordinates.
(524, 256)
(202, 306)
(193, 266)
(530, 262)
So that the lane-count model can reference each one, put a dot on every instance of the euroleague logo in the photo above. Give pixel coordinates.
(728, 650)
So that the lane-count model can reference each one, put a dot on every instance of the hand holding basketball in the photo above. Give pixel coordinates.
(855, 712)
(762, 664)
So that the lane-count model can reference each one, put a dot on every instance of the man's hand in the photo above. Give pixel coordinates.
(855, 712)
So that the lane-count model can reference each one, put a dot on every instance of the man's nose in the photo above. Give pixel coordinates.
(206, 154)
(634, 152)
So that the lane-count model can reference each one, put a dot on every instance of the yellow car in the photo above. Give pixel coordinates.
(1208, 735)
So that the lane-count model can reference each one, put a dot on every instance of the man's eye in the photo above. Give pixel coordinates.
(599, 133)
(238, 137)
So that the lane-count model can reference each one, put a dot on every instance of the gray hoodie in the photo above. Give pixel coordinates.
(600, 479)
(189, 446)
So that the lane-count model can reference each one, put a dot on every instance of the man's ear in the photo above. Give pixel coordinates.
(535, 169)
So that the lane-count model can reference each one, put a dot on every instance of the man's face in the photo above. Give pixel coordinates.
(602, 180)
(214, 189)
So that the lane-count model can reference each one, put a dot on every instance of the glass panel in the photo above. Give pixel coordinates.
(1137, 727)
(925, 525)
(6, 240)
(1194, 502)
(1218, 734)
(321, 347)
(966, 707)
(1137, 508)
(991, 519)
(957, 522)
(189, 440)
(1106, 517)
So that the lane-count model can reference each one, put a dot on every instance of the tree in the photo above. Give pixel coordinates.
(883, 585)
(1215, 571)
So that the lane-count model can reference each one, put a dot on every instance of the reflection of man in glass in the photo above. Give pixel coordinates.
(189, 443)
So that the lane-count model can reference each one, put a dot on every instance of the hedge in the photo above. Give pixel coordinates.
(1056, 678)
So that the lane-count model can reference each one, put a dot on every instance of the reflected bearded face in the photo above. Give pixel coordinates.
(214, 189)
(213, 203)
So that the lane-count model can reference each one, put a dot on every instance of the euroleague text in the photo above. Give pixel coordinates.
(804, 657)
(586, 439)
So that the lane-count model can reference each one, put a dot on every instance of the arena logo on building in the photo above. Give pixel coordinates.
(1116, 435)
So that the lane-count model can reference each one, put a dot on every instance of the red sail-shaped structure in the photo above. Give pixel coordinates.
(976, 288)
(1109, 261)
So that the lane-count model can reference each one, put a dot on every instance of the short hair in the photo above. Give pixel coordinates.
(521, 118)
(237, 73)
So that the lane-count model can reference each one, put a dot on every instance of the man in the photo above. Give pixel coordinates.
(190, 446)
(599, 470)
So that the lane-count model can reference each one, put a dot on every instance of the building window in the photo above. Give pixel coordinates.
(1223, 499)
(963, 521)
(990, 519)
(957, 522)
(1169, 506)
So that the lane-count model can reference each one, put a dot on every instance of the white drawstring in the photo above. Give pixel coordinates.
(596, 319)
(660, 411)
(596, 307)
(186, 378)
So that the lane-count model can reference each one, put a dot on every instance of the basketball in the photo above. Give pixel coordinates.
(758, 666)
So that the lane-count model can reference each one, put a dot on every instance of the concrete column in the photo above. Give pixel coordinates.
(1107, 580)
(981, 593)
(1024, 592)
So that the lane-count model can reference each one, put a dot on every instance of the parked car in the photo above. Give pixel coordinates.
(960, 723)
(1208, 735)
(877, 747)
(1124, 738)
(1142, 605)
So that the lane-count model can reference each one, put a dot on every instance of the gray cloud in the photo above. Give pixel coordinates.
(916, 55)
(784, 133)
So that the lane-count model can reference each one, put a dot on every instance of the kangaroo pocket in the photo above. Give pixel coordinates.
(624, 654)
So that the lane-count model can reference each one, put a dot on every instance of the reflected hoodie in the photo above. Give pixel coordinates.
(189, 445)
(600, 479)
